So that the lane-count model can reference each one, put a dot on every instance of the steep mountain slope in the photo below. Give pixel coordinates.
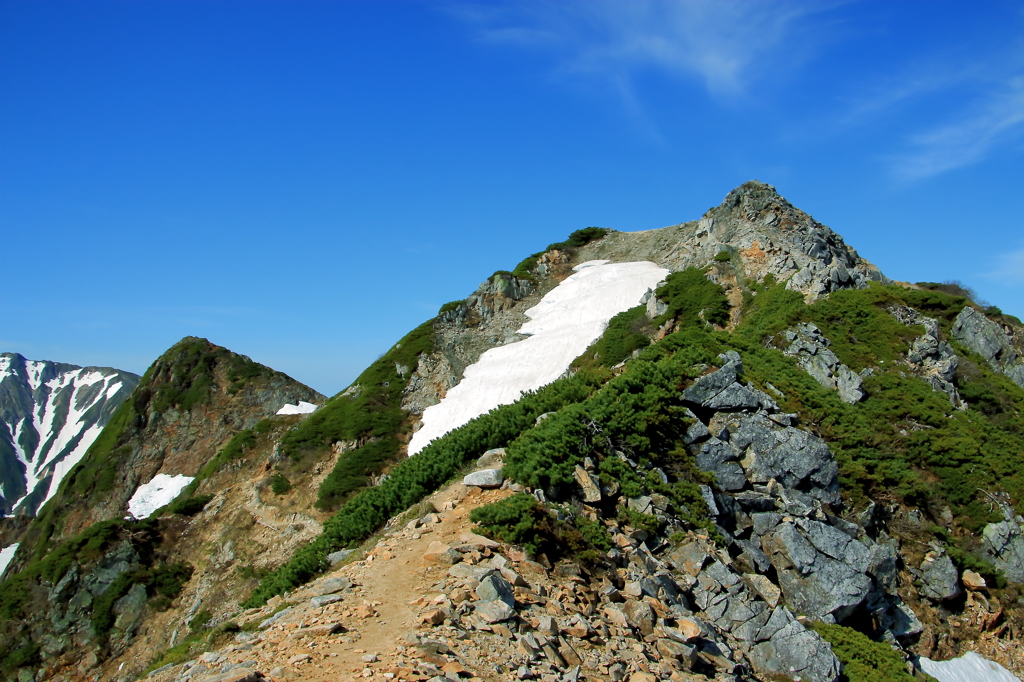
(189, 404)
(50, 413)
(185, 408)
(774, 464)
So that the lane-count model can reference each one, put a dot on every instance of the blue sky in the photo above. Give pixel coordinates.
(304, 181)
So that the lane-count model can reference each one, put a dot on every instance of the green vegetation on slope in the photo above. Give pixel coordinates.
(692, 299)
(21, 591)
(182, 378)
(576, 240)
(369, 412)
(627, 332)
(418, 476)
(522, 520)
(905, 442)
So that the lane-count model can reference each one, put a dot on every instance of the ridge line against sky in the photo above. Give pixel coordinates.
(304, 182)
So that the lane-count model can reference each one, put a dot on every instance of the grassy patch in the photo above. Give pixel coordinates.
(627, 332)
(692, 299)
(863, 659)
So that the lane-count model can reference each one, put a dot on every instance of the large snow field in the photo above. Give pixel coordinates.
(565, 322)
(6, 554)
(302, 408)
(968, 668)
(160, 491)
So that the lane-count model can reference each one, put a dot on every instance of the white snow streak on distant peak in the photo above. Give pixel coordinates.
(565, 322)
(968, 668)
(61, 468)
(6, 554)
(160, 491)
(33, 371)
(77, 408)
(302, 408)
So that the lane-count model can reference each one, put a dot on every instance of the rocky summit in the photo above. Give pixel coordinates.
(775, 463)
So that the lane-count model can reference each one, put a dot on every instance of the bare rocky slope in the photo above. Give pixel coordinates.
(782, 465)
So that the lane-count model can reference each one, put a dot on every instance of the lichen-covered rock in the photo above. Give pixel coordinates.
(494, 611)
(591, 489)
(128, 609)
(796, 459)
(495, 587)
(722, 391)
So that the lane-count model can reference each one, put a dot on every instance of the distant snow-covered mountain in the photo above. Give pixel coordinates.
(50, 413)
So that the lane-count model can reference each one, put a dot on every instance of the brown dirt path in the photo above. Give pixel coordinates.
(393, 585)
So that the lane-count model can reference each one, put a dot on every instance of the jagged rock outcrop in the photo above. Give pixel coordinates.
(778, 489)
(930, 357)
(990, 341)
(50, 413)
(764, 235)
(810, 347)
(500, 292)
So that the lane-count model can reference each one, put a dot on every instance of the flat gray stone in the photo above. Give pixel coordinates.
(485, 478)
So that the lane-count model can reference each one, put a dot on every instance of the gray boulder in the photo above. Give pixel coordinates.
(492, 459)
(710, 385)
(719, 458)
(939, 578)
(794, 458)
(987, 339)
(813, 582)
(340, 555)
(330, 586)
(932, 359)
(128, 609)
(494, 587)
(485, 478)
(795, 652)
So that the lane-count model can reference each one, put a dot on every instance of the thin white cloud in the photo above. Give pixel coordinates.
(994, 122)
(726, 44)
(1009, 268)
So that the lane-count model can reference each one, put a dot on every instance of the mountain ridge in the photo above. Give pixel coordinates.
(776, 433)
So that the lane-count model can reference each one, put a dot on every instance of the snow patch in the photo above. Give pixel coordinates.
(6, 554)
(968, 668)
(566, 321)
(302, 408)
(34, 373)
(160, 491)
